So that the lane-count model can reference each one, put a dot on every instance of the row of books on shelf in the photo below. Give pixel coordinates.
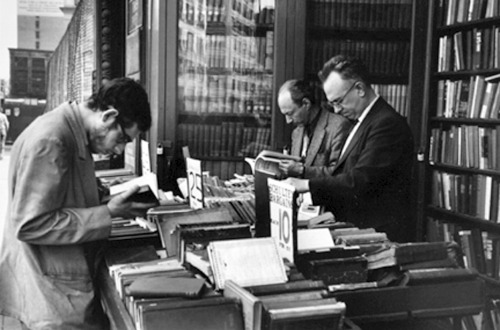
(476, 195)
(388, 57)
(238, 94)
(229, 139)
(369, 14)
(471, 49)
(226, 169)
(395, 95)
(479, 249)
(467, 146)
(459, 11)
(228, 51)
(472, 98)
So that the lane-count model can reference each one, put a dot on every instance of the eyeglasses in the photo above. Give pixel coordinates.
(123, 138)
(338, 102)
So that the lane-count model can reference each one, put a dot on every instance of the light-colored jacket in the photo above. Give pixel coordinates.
(49, 238)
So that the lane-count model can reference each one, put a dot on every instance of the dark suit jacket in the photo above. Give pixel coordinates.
(370, 186)
(328, 137)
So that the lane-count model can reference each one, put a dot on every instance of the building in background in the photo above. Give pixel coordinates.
(41, 25)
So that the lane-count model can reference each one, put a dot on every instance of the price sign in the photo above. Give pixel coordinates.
(283, 211)
(195, 183)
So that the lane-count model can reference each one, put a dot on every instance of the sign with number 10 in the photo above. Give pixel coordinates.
(195, 183)
(283, 211)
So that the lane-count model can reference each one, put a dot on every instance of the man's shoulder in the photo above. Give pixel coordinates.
(335, 120)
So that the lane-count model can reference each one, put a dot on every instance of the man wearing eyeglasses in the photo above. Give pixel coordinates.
(55, 223)
(318, 136)
(370, 185)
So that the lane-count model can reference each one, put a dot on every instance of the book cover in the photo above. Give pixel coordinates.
(327, 313)
(215, 313)
(250, 261)
(406, 253)
(168, 222)
(161, 286)
(292, 286)
(314, 239)
(148, 189)
(250, 304)
(438, 275)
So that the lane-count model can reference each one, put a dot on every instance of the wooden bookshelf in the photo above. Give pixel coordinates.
(377, 32)
(461, 167)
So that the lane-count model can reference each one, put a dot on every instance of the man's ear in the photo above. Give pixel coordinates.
(306, 101)
(109, 114)
(361, 87)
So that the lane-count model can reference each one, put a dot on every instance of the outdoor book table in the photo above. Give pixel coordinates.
(455, 299)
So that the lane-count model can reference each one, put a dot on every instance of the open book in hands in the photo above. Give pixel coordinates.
(148, 189)
(268, 161)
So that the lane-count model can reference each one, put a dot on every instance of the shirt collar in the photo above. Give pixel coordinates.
(367, 109)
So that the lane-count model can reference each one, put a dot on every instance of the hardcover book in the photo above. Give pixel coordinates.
(327, 313)
(167, 223)
(407, 253)
(250, 304)
(250, 261)
(148, 189)
(162, 286)
(215, 313)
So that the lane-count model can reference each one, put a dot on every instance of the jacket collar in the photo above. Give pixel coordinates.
(367, 118)
(75, 122)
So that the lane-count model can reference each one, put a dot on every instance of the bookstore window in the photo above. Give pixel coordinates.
(225, 80)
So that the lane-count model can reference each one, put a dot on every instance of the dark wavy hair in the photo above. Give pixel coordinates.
(128, 97)
(347, 67)
(299, 89)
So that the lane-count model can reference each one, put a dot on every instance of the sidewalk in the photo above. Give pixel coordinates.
(6, 323)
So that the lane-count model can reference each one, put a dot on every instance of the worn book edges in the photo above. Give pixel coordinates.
(438, 275)
(251, 305)
(217, 313)
(335, 270)
(126, 255)
(162, 286)
(406, 253)
(327, 313)
(148, 192)
(247, 262)
(193, 240)
(279, 288)
(192, 237)
(167, 223)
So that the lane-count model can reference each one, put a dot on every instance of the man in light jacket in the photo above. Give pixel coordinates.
(52, 235)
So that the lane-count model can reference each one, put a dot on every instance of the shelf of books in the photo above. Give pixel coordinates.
(225, 76)
(463, 135)
(378, 32)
